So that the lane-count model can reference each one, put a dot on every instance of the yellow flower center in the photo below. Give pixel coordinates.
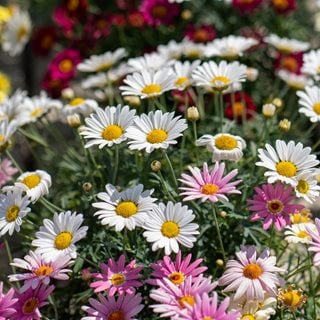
(76, 101)
(303, 186)
(170, 229)
(225, 143)
(117, 279)
(43, 271)
(291, 298)
(73, 5)
(280, 4)
(116, 315)
(63, 240)
(181, 81)
(248, 317)
(286, 168)
(5, 84)
(220, 83)
(252, 271)
(176, 277)
(31, 181)
(186, 300)
(193, 54)
(290, 63)
(37, 112)
(159, 11)
(5, 14)
(151, 89)
(210, 189)
(46, 42)
(275, 206)
(12, 213)
(284, 48)
(316, 108)
(104, 66)
(157, 136)
(126, 209)
(112, 132)
(303, 234)
(30, 305)
(22, 32)
(301, 217)
(207, 318)
(66, 65)
(238, 108)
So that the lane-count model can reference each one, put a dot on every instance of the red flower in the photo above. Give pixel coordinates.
(136, 19)
(125, 4)
(182, 98)
(203, 33)
(43, 40)
(118, 20)
(53, 86)
(98, 26)
(243, 106)
(284, 6)
(246, 5)
(291, 62)
(62, 19)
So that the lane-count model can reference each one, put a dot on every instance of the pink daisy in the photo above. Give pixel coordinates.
(126, 307)
(173, 299)
(159, 12)
(315, 244)
(207, 307)
(116, 277)
(29, 302)
(207, 185)
(6, 303)
(251, 276)
(40, 270)
(6, 171)
(272, 203)
(176, 271)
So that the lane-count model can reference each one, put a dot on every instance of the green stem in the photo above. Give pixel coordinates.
(14, 161)
(52, 302)
(195, 134)
(294, 315)
(6, 243)
(311, 285)
(165, 186)
(116, 164)
(51, 204)
(221, 115)
(171, 168)
(218, 232)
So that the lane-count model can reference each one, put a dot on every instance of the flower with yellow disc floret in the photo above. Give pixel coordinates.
(291, 298)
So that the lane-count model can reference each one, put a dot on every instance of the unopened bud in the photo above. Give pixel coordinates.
(74, 120)
(284, 125)
(67, 93)
(268, 110)
(193, 114)
(132, 101)
(223, 214)
(277, 102)
(87, 187)
(186, 14)
(252, 74)
(86, 274)
(219, 263)
(155, 165)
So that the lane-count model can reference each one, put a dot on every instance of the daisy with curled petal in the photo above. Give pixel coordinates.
(251, 276)
(116, 277)
(80, 106)
(124, 307)
(314, 245)
(307, 187)
(183, 71)
(156, 130)
(127, 209)
(310, 102)
(148, 84)
(209, 185)
(102, 62)
(286, 45)
(39, 270)
(176, 271)
(13, 208)
(311, 63)
(219, 77)
(298, 233)
(107, 127)
(294, 81)
(286, 161)
(224, 146)
(58, 237)
(170, 225)
(272, 203)
(7, 301)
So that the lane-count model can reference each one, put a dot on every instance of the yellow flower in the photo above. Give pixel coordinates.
(291, 298)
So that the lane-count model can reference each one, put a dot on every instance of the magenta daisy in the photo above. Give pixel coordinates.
(40, 270)
(125, 307)
(176, 271)
(117, 277)
(6, 303)
(29, 302)
(250, 276)
(209, 185)
(314, 245)
(173, 299)
(272, 204)
(208, 308)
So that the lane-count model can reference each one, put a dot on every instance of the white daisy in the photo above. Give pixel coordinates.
(13, 208)
(171, 50)
(127, 209)
(98, 80)
(294, 81)
(80, 106)
(116, 74)
(155, 130)
(310, 102)
(307, 186)
(286, 162)
(286, 45)
(102, 62)
(311, 63)
(223, 146)
(182, 72)
(58, 237)
(229, 47)
(107, 127)
(170, 225)
(16, 33)
(148, 84)
(297, 233)
(7, 129)
(35, 184)
(192, 50)
(219, 77)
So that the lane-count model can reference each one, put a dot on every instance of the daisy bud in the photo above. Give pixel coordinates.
(155, 165)
(223, 214)
(219, 263)
(86, 274)
(87, 187)
(268, 110)
(193, 114)
(67, 93)
(186, 14)
(132, 101)
(284, 125)
(74, 120)
(277, 102)
(252, 74)
(291, 298)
